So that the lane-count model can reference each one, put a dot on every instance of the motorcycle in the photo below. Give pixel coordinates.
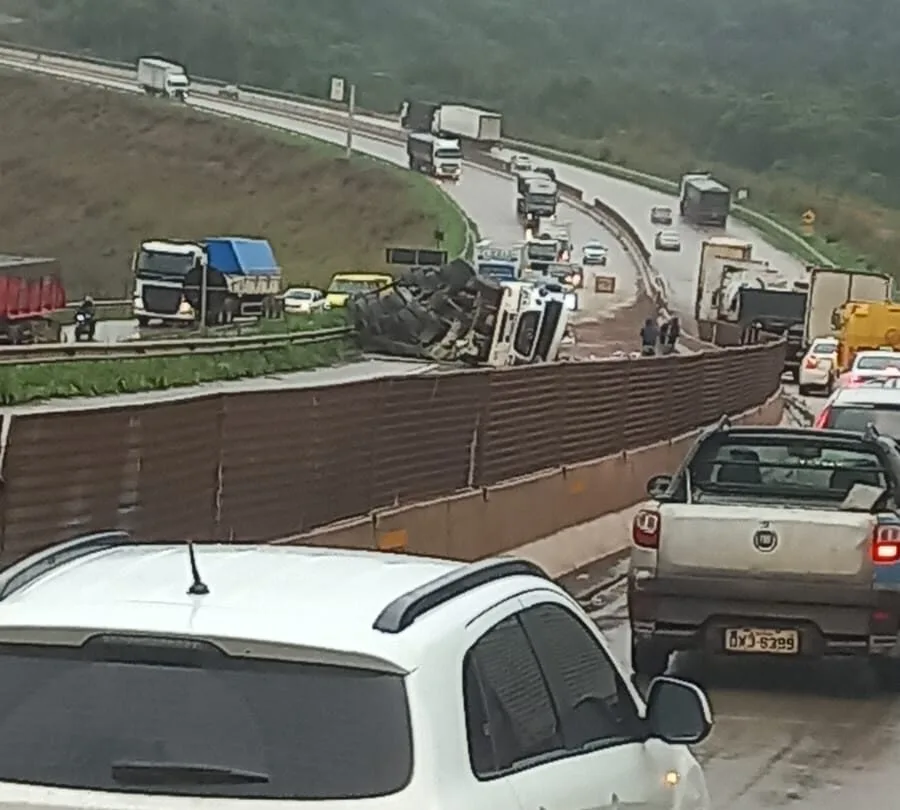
(85, 326)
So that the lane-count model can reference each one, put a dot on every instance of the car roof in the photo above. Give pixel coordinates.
(292, 596)
(594, 243)
(876, 353)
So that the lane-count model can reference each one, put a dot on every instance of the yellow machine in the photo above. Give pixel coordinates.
(866, 326)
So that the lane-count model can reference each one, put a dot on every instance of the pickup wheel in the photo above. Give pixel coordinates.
(649, 658)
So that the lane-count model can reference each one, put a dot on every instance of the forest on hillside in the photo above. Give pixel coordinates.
(805, 88)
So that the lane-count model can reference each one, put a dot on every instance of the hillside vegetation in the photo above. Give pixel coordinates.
(795, 99)
(87, 174)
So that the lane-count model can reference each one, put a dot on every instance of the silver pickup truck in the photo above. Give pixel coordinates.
(770, 541)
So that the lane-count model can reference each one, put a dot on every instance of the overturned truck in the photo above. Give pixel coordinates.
(450, 314)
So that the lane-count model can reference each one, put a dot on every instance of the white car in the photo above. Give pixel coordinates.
(871, 365)
(817, 368)
(661, 215)
(521, 163)
(595, 253)
(304, 301)
(668, 240)
(163, 675)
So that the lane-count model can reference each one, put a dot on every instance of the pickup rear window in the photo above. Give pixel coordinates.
(822, 469)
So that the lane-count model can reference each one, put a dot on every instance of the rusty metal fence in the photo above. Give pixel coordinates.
(256, 466)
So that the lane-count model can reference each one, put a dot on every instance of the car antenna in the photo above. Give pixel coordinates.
(198, 586)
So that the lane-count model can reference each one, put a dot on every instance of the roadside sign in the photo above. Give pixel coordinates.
(337, 89)
(742, 194)
(604, 284)
(809, 217)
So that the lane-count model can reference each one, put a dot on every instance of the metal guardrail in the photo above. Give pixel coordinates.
(801, 248)
(135, 350)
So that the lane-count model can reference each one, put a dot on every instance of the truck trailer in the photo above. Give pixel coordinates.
(242, 279)
(704, 200)
(438, 157)
(31, 291)
(162, 77)
(468, 123)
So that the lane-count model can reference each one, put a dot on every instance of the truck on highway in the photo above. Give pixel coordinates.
(536, 198)
(498, 263)
(830, 288)
(472, 124)
(438, 157)
(162, 77)
(31, 293)
(451, 314)
(703, 200)
(712, 250)
(243, 278)
(537, 254)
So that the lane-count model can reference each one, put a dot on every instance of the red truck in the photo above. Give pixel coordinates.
(31, 291)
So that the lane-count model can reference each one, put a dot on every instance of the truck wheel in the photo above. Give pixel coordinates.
(649, 658)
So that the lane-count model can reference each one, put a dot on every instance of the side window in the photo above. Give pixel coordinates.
(509, 714)
(594, 704)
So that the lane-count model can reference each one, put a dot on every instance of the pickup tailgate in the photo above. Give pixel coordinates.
(733, 540)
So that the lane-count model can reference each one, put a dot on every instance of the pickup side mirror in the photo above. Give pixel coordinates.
(658, 485)
(678, 712)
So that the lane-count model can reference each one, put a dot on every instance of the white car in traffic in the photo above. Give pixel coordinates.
(668, 241)
(595, 253)
(159, 676)
(304, 301)
(871, 365)
(521, 163)
(661, 215)
(818, 367)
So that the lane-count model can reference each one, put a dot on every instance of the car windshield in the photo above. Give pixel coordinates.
(818, 467)
(448, 154)
(886, 418)
(299, 295)
(163, 717)
(875, 362)
(594, 249)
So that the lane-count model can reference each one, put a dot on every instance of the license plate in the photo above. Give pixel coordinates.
(756, 640)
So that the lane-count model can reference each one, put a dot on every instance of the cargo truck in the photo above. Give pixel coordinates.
(242, 279)
(161, 77)
(438, 157)
(418, 116)
(704, 200)
(472, 124)
(31, 292)
(536, 198)
(830, 288)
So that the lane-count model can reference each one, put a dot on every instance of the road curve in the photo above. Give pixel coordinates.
(486, 196)
(629, 199)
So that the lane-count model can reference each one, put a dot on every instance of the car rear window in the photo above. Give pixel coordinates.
(824, 347)
(93, 717)
(790, 466)
(886, 418)
(877, 363)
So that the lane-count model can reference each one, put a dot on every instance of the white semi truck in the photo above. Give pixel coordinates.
(439, 157)
(161, 77)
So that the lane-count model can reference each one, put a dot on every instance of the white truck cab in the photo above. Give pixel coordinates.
(531, 324)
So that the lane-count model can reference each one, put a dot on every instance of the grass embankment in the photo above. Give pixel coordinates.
(29, 383)
(850, 230)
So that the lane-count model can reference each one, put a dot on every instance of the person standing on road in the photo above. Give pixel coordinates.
(669, 335)
(649, 338)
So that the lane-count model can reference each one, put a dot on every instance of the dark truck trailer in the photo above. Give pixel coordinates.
(418, 116)
(705, 201)
(764, 314)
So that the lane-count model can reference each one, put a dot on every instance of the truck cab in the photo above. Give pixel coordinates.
(436, 156)
(499, 264)
(160, 268)
(538, 254)
(531, 324)
(537, 198)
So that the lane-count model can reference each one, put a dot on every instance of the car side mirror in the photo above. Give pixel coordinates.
(678, 712)
(658, 485)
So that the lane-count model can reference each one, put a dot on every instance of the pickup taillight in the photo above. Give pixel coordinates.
(886, 544)
(822, 419)
(645, 528)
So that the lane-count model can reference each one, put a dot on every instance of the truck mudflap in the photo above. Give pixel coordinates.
(443, 314)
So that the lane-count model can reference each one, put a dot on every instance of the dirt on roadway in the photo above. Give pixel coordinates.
(86, 174)
(794, 735)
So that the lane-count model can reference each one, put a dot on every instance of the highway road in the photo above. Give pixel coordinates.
(488, 197)
(807, 737)
(631, 200)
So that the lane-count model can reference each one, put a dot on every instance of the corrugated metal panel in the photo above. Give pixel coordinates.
(593, 400)
(426, 435)
(648, 401)
(523, 426)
